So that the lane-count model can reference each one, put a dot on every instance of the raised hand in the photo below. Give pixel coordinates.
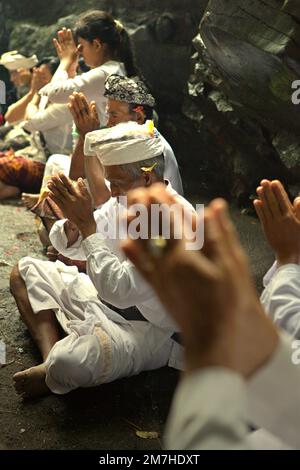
(280, 220)
(38, 80)
(74, 201)
(210, 294)
(84, 114)
(66, 48)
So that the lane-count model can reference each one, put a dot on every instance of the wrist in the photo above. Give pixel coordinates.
(87, 228)
(287, 259)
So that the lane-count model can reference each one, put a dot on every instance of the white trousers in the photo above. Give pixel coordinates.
(100, 346)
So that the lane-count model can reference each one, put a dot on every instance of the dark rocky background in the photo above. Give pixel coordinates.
(223, 88)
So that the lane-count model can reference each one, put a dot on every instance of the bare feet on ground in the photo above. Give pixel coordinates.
(30, 383)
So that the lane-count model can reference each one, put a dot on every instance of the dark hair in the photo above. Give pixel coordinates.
(98, 24)
(147, 110)
(52, 63)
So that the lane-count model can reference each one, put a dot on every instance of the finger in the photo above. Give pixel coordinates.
(82, 103)
(57, 187)
(232, 248)
(67, 183)
(55, 197)
(259, 208)
(69, 35)
(264, 202)
(271, 199)
(56, 45)
(83, 188)
(282, 198)
(297, 207)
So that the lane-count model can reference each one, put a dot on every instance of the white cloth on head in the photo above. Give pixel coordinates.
(91, 83)
(127, 142)
(13, 60)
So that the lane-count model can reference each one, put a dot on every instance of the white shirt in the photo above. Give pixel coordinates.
(91, 83)
(114, 277)
(212, 406)
(55, 122)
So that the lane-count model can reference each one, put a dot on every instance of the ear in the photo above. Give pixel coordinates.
(140, 118)
(147, 178)
(97, 43)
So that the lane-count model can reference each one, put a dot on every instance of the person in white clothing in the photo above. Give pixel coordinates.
(104, 45)
(114, 323)
(50, 131)
(238, 368)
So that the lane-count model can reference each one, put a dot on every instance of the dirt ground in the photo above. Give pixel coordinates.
(105, 417)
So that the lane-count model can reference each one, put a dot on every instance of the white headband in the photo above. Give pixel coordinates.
(13, 61)
(125, 143)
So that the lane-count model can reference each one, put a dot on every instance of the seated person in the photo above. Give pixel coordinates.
(238, 368)
(50, 127)
(125, 332)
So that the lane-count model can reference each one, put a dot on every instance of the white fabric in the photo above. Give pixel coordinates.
(91, 83)
(54, 165)
(79, 359)
(281, 298)
(130, 346)
(212, 406)
(208, 412)
(127, 142)
(172, 172)
(55, 122)
(274, 394)
(123, 286)
(13, 60)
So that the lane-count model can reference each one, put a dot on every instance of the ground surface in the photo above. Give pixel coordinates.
(106, 417)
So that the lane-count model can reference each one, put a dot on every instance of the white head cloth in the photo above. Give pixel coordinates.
(13, 60)
(125, 143)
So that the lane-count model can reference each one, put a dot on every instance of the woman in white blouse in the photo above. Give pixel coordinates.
(105, 47)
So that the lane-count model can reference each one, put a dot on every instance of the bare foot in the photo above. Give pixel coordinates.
(30, 383)
(29, 200)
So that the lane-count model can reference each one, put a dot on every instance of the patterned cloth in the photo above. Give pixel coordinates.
(21, 172)
(129, 90)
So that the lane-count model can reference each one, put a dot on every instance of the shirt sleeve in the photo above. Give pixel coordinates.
(54, 116)
(89, 83)
(281, 299)
(208, 412)
(273, 394)
(59, 241)
(116, 281)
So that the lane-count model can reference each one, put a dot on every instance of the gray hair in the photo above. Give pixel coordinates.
(134, 169)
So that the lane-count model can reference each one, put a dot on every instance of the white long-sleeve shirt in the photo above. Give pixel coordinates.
(281, 298)
(91, 83)
(115, 278)
(212, 407)
(55, 122)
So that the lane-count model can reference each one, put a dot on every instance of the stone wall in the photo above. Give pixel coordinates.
(247, 55)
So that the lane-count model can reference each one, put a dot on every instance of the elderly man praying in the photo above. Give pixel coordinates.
(113, 322)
